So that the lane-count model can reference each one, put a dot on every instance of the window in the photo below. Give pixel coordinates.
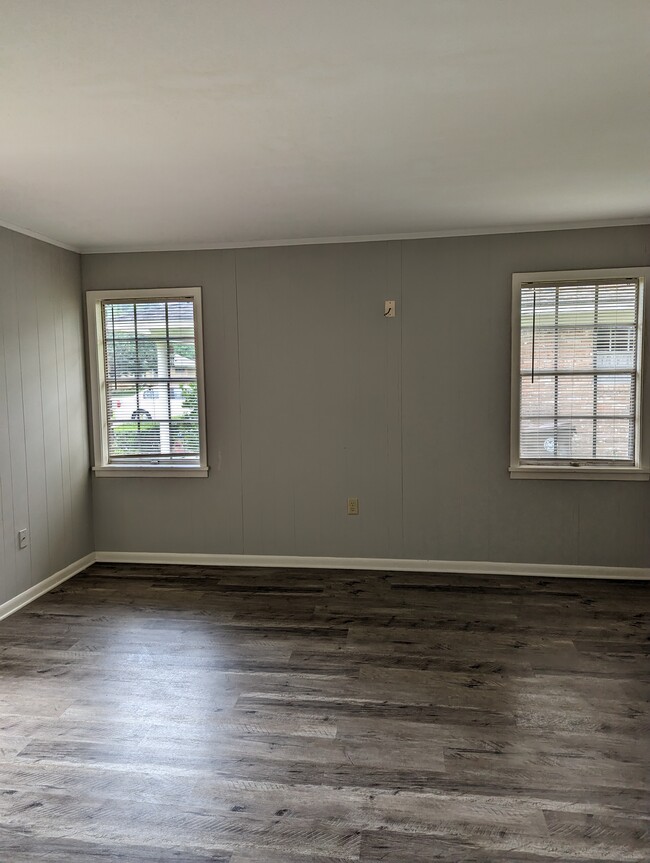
(147, 382)
(576, 374)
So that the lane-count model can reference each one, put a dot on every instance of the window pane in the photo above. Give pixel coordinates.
(184, 437)
(616, 347)
(614, 439)
(146, 401)
(543, 301)
(580, 439)
(538, 396)
(134, 438)
(182, 358)
(139, 419)
(575, 395)
(544, 439)
(576, 306)
(580, 395)
(568, 349)
(616, 395)
(127, 358)
(121, 400)
(617, 304)
(181, 319)
(119, 320)
(151, 320)
(572, 335)
(148, 437)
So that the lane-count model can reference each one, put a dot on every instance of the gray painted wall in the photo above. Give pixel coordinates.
(44, 479)
(312, 396)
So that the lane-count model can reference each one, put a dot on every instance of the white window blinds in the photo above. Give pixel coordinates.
(579, 344)
(150, 381)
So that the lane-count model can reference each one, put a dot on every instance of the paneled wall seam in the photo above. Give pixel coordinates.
(241, 447)
(401, 312)
(40, 386)
(20, 306)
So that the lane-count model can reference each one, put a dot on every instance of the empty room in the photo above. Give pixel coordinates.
(324, 431)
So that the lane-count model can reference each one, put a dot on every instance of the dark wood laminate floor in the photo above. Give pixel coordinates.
(260, 716)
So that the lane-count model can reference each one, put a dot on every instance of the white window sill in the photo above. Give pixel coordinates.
(151, 471)
(532, 471)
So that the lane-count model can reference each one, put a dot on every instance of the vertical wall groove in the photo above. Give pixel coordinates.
(44, 469)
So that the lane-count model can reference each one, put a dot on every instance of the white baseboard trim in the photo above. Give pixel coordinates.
(388, 564)
(32, 593)
(470, 567)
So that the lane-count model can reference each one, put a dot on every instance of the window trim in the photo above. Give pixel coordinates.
(589, 471)
(101, 466)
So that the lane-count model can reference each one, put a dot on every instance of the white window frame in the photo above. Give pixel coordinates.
(588, 471)
(101, 466)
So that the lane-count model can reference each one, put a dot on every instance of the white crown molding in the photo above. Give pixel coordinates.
(36, 236)
(320, 241)
(469, 567)
(370, 238)
(32, 593)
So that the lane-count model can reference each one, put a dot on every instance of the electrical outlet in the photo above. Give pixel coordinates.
(353, 506)
(389, 308)
(22, 538)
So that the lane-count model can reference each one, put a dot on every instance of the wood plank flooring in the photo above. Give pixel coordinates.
(158, 714)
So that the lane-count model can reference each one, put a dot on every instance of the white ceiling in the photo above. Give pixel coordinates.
(135, 124)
